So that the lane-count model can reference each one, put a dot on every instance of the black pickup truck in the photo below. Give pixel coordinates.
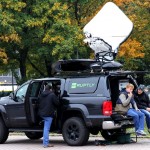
(87, 102)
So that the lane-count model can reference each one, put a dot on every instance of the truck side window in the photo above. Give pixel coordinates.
(20, 94)
(34, 91)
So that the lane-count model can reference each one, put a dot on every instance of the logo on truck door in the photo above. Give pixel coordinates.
(82, 85)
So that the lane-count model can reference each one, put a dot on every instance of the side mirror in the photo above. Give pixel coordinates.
(11, 95)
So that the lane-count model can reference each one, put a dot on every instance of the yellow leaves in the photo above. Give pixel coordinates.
(11, 38)
(3, 56)
(65, 7)
(131, 49)
(80, 36)
(145, 4)
(17, 6)
(139, 22)
(36, 22)
(49, 39)
(6, 17)
(56, 6)
(56, 12)
(68, 21)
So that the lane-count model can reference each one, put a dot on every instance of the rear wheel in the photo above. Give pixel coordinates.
(75, 132)
(3, 132)
(34, 135)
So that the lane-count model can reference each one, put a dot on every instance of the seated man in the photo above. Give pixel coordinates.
(143, 103)
(127, 104)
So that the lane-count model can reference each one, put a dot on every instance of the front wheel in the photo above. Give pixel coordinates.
(75, 133)
(3, 132)
(34, 135)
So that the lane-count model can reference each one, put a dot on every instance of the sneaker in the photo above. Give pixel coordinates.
(141, 132)
(49, 145)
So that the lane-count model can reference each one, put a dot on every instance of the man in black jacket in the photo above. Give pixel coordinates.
(47, 106)
(143, 103)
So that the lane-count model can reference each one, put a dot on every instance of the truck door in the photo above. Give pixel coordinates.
(31, 103)
(15, 108)
(32, 99)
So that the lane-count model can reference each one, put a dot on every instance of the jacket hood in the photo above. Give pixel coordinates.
(123, 90)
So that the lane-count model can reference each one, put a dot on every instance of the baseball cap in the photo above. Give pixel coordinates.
(141, 87)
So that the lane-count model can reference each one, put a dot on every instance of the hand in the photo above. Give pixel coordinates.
(148, 109)
(130, 94)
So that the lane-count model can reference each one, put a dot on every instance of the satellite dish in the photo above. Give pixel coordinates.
(107, 30)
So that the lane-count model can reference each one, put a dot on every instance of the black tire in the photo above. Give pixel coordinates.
(34, 135)
(3, 132)
(110, 135)
(75, 133)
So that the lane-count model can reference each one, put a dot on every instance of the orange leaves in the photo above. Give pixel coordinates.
(130, 52)
(131, 49)
(121, 2)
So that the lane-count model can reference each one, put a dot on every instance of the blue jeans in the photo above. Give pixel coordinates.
(47, 126)
(147, 114)
(138, 118)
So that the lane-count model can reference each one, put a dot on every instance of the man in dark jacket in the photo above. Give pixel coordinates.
(126, 104)
(48, 102)
(143, 103)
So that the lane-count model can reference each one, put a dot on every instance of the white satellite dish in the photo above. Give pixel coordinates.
(107, 30)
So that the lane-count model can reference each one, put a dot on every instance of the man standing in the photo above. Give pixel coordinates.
(126, 104)
(47, 106)
(143, 103)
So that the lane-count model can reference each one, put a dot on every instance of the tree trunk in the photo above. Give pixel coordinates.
(36, 68)
(77, 11)
(48, 64)
(22, 64)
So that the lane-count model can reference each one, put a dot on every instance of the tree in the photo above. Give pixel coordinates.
(135, 51)
(34, 34)
(38, 33)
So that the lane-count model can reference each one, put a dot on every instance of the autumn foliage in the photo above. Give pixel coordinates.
(131, 49)
(33, 34)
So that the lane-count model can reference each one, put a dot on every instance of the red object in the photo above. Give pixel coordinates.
(107, 108)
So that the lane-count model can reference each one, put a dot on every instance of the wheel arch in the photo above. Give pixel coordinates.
(3, 115)
(77, 110)
(3, 131)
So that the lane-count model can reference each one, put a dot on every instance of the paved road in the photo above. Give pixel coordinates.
(21, 142)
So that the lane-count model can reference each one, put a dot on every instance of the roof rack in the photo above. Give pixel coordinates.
(66, 74)
(84, 65)
(88, 73)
